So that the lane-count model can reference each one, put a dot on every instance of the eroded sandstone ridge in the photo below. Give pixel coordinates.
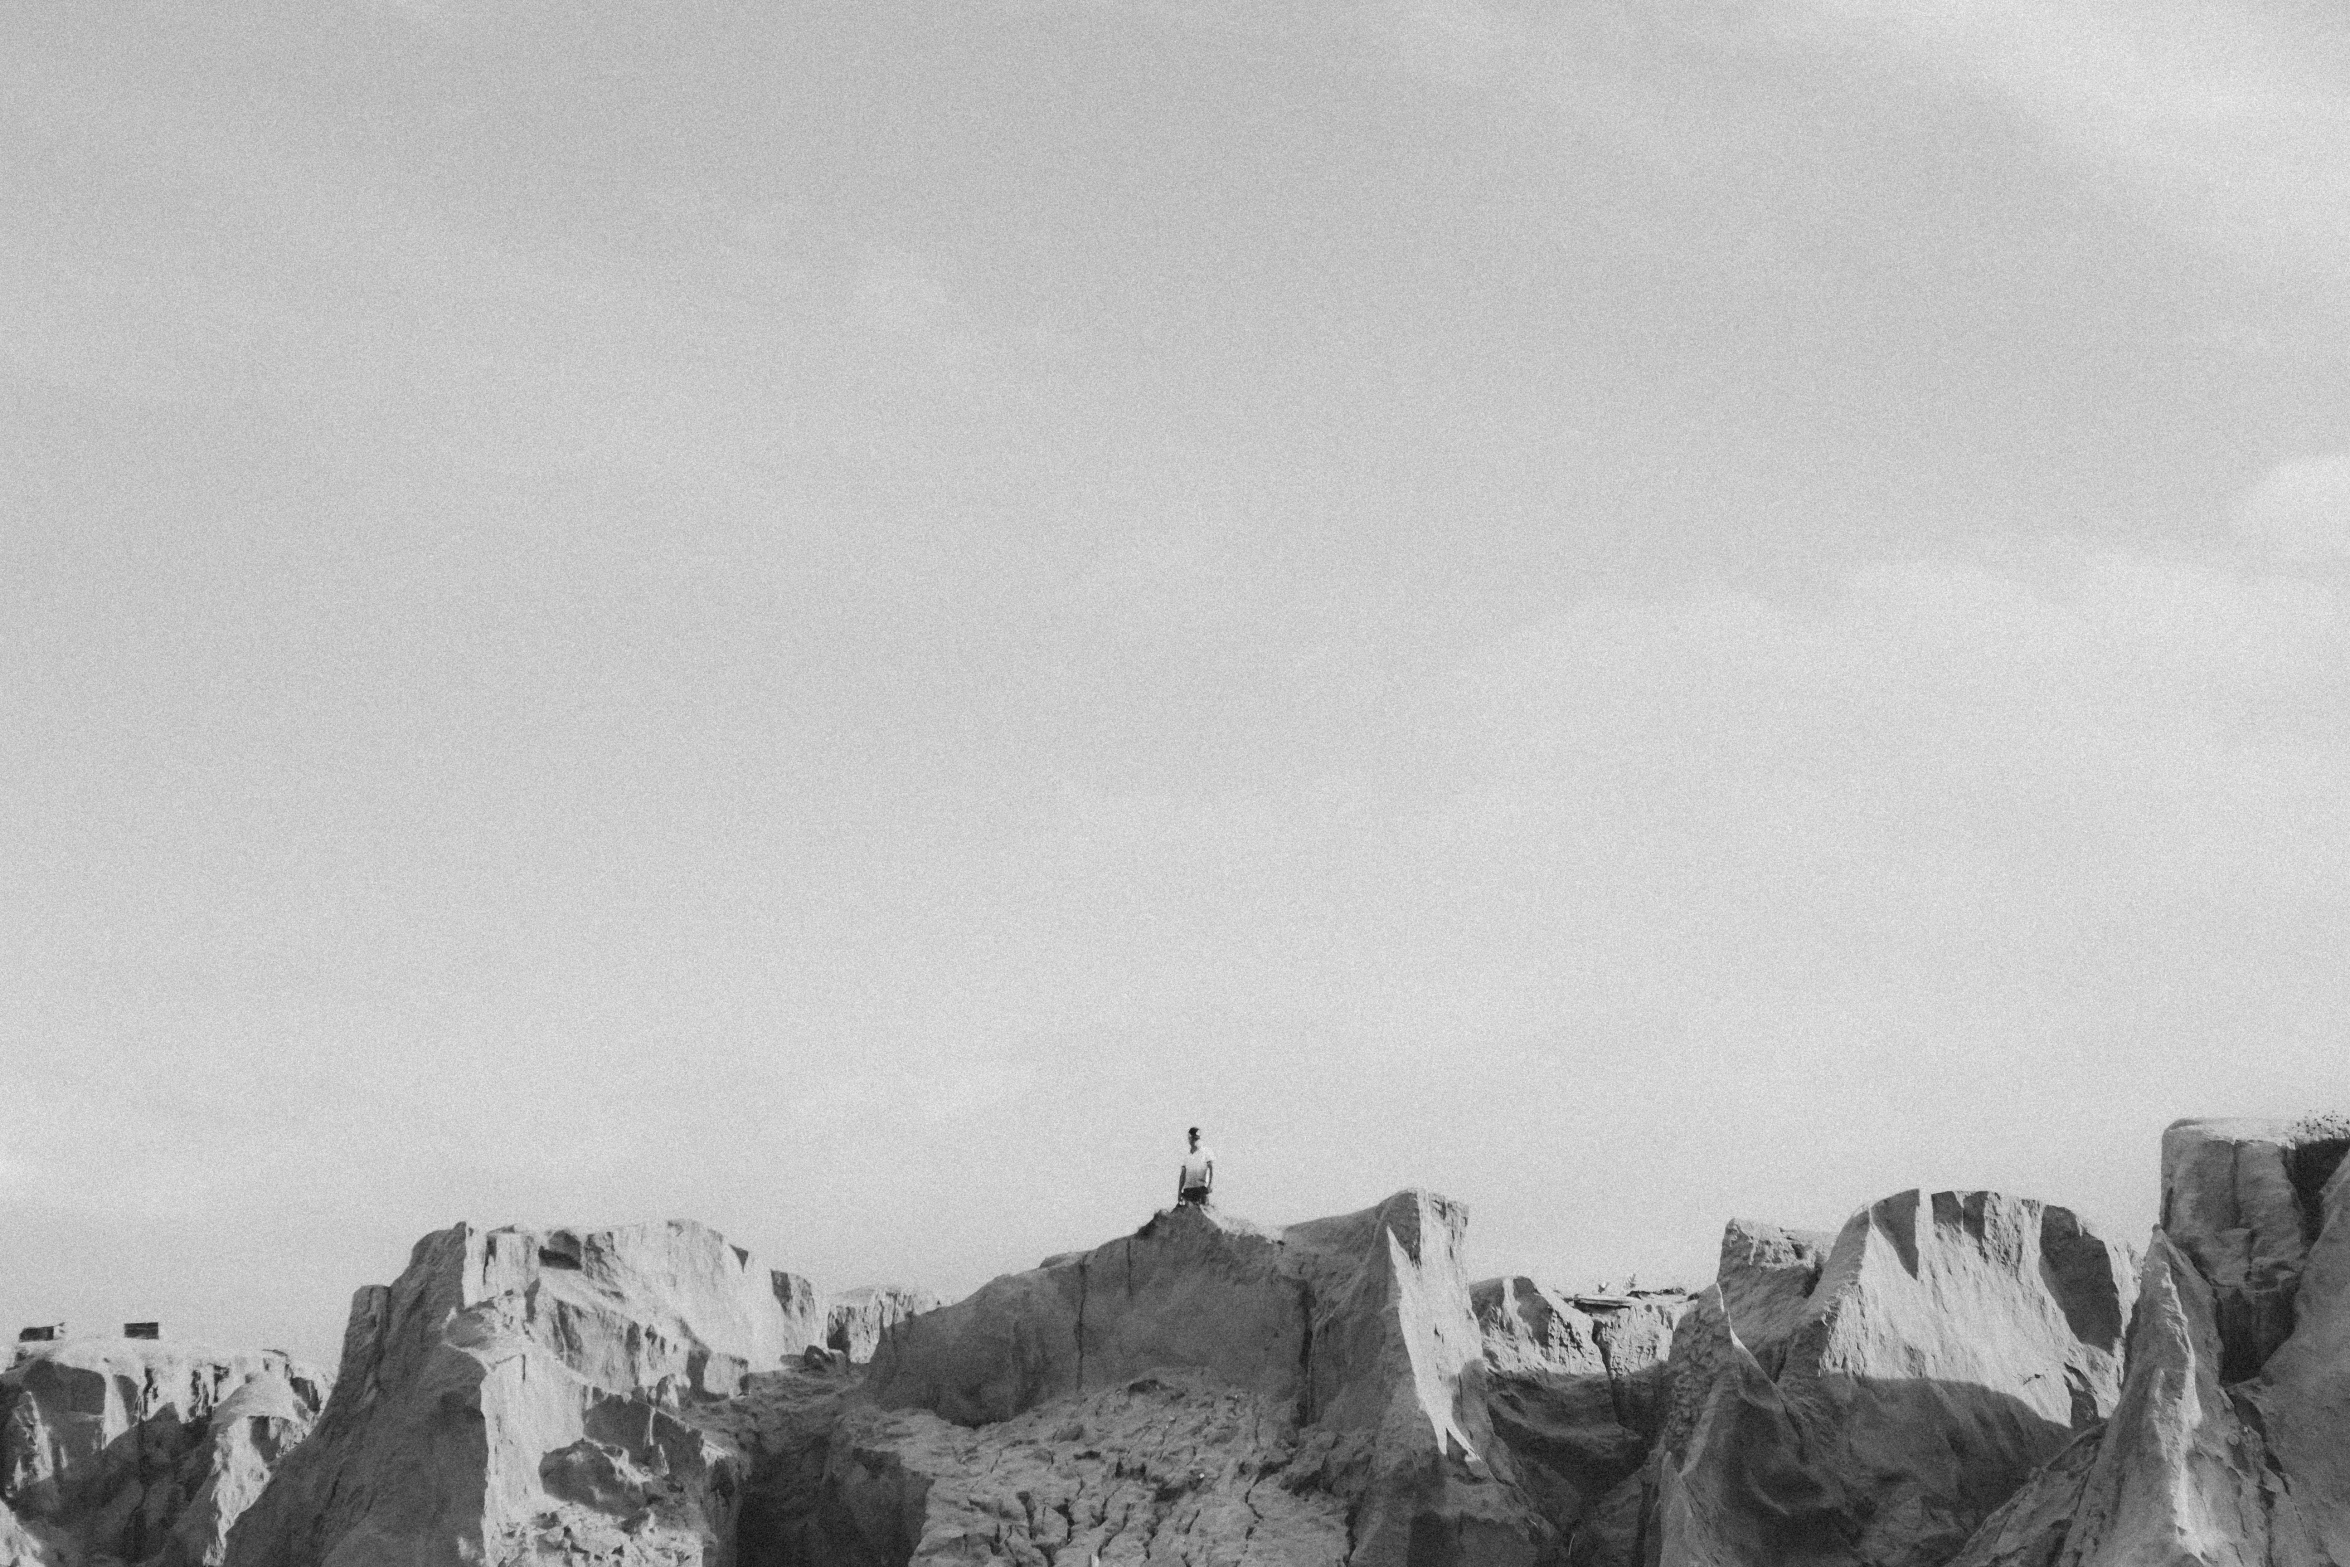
(1210, 1391)
(1956, 1378)
(1353, 1339)
(2231, 1440)
(856, 1319)
(1576, 1388)
(1868, 1401)
(1207, 1390)
(515, 1395)
(141, 1451)
(1204, 1390)
(1162, 1469)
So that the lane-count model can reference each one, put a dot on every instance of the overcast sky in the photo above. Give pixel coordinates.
(839, 618)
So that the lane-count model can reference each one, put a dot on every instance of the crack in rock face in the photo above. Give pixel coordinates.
(1576, 1389)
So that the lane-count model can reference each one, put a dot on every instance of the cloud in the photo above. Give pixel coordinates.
(2231, 120)
(1923, 789)
(1989, 861)
(1917, 802)
(2235, 117)
(2301, 511)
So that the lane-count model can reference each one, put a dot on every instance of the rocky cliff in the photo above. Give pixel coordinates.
(2230, 1443)
(1953, 1378)
(1869, 1401)
(514, 1397)
(141, 1451)
(1162, 1469)
(1576, 1389)
(1352, 1342)
(856, 1319)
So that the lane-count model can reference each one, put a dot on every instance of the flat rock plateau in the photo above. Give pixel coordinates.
(1962, 1378)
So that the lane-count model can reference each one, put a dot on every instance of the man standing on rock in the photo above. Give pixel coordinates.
(1199, 1174)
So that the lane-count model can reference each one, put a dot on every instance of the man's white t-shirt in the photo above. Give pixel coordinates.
(1195, 1166)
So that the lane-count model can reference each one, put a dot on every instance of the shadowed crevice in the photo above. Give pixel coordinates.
(2310, 1166)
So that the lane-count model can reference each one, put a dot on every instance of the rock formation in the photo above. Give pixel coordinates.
(1870, 1401)
(1201, 1390)
(1354, 1340)
(1576, 1389)
(141, 1451)
(2231, 1441)
(516, 1396)
(21, 1547)
(1941, 1382)
(1166, 1469)
(856, 1319)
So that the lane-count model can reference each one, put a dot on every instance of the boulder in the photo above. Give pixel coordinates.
(856, 1319)
(520, 1396)
(1872, 1403)
(1356, 1335)
(144, 1450)
(2227, 1444)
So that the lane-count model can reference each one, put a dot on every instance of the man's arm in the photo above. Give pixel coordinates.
(1211, 1172)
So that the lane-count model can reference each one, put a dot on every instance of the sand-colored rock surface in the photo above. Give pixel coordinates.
(1163, 1470)
(1576, 1390)
(25, 1546)
(2231, 1441)
(856, 1319)
(513, 1397)
(1358, 1329)
(1194, 1288)
(1873, 1406)
(1943, 1381)
(143, 1450)
(249, 1437)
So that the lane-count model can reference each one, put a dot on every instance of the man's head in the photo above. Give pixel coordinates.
(1193, 1134)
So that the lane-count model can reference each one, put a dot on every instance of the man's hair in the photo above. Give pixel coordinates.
(1194, 1132)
